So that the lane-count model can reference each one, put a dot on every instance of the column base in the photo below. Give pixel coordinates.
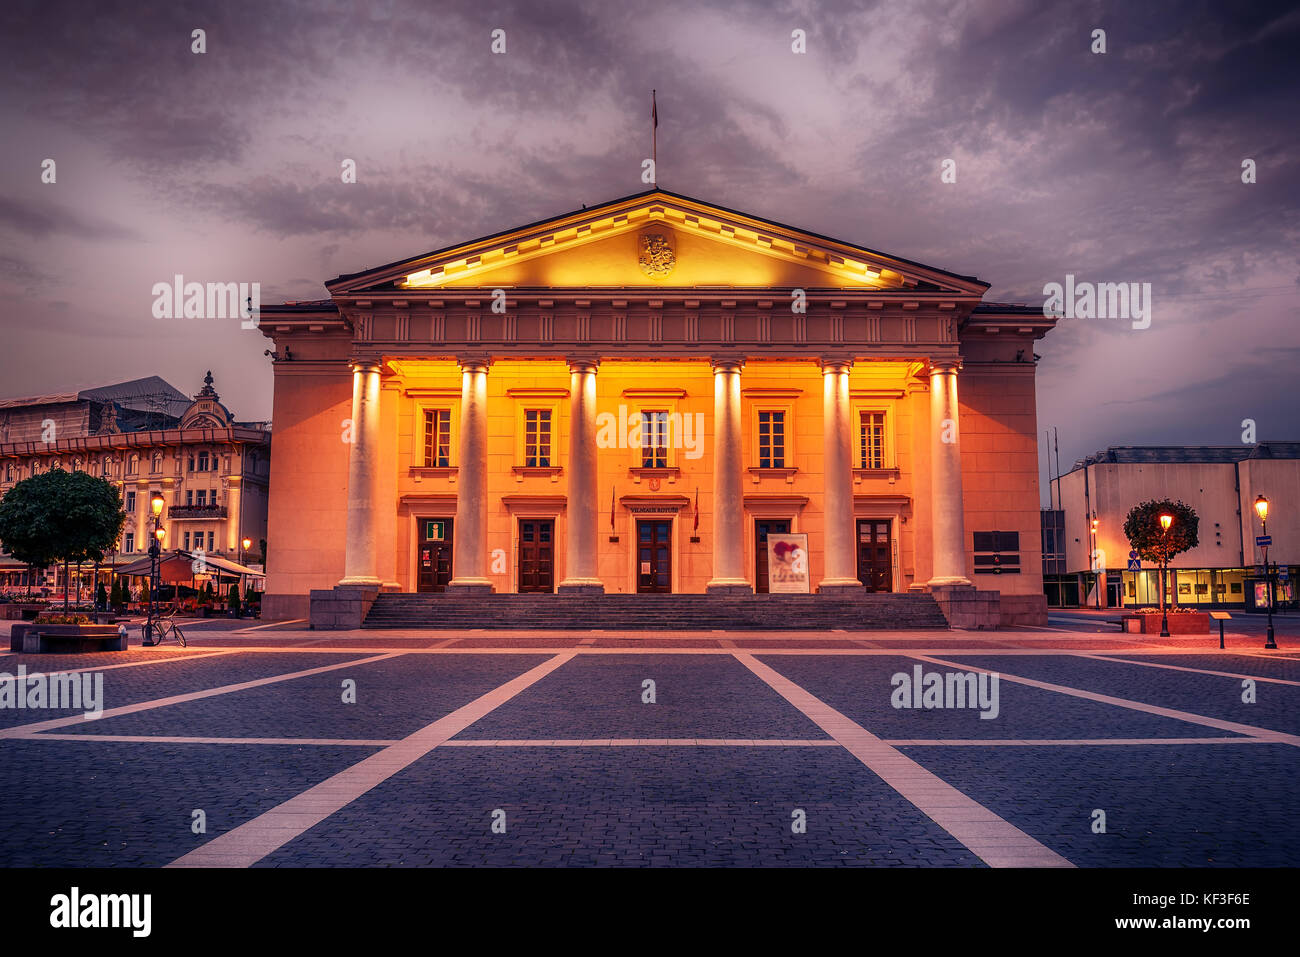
(469, 586)
(581, 586)
(365, 580)
(840, 587)
(729, 586)
(949, 580)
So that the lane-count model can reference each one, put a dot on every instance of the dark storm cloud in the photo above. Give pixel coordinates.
(1117, 167)
(44, 219)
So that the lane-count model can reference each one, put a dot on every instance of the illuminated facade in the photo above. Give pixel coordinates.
(1220, 483)
(630, 398)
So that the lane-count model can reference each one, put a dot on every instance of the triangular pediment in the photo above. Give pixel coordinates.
(657, 239)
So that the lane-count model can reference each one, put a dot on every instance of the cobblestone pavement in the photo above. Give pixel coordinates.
(274, 747)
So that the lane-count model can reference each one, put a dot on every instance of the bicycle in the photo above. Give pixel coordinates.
(164, 628)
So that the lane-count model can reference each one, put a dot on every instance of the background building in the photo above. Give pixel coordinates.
(1219, 483)
(632, 398)
(146, 436)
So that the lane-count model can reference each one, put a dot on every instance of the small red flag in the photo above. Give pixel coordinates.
(654, 109)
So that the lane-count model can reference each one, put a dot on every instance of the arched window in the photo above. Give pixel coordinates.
(76, 464)
(106, 466)
(36, 466)
(156, 464)
(133, 465)
(56, 464)
(9, 472)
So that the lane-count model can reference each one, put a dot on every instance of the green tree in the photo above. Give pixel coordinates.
(144, 592)
(1152, 543)
(115, 594)
(59, 516)
(232, 600)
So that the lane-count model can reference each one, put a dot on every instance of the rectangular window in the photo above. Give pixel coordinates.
(189, 463)
(771, 440)
(211, 540)
(997, 553)
(537, 438)
(129, 544)
(871, 441)
(187, 541)
(130, 501)
(203, 462)
(189, 496)
(202, 497)
(437, 438)
(654, 439)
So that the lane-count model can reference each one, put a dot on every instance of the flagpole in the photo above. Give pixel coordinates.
(654, 138)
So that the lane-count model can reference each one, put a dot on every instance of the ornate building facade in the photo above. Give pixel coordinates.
(636, 396)
(146, 437)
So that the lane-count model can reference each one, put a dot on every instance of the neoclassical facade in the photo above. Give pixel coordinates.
(633, 397)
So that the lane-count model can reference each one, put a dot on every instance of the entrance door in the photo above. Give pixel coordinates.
(433, 554)
(874, 569)
(762, 528)
(536, 555)
(654, 556)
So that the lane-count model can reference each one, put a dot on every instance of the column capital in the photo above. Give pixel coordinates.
(726, 363)
(474, 363)
(583, 363)
(946, 364)
(834, 364)
(366, 365)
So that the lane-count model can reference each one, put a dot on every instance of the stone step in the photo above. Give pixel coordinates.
(656, 612)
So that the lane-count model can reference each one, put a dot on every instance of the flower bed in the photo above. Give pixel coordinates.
(1181, 621)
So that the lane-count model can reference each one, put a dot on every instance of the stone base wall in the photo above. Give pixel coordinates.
(1023, 610)
(341, 607)
(966, 607)
(285, 607)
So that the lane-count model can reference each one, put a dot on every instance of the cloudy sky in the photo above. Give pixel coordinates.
(1122, 166)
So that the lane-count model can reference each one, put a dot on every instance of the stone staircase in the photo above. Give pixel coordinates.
(656, 612)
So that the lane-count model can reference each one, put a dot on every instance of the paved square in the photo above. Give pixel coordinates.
(298, 748)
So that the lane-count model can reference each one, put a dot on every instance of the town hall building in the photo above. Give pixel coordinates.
(639, 398)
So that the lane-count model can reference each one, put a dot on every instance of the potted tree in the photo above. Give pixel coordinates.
(67, 517)
(232, 601)
(1156, 544)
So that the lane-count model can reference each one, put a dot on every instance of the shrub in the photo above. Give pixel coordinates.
(63, 619)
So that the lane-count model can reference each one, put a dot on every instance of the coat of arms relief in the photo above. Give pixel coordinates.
(657, 256)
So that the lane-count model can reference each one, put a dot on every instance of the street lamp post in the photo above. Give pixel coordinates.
(1098, 572)
(1165, 521)
(1261, 509)
(155, 555)
(244, 545)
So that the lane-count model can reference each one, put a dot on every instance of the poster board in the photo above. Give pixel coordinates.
(787, 563)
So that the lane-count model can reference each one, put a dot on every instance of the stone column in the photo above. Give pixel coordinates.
(583, 510)
(949, 532)
(143, 517)
(728, 487)
(234, 492)
(359, 559)
(469, 557)
(837, 449)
